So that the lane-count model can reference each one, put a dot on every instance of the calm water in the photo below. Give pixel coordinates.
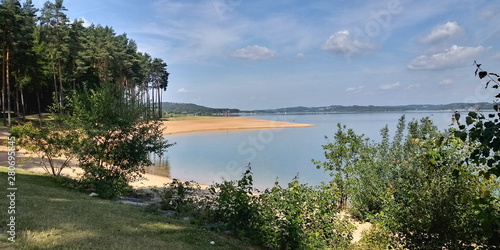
(277, 153)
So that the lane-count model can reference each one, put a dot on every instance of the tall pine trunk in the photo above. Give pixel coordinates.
(56, 92)
(39, 108)
(18, 110)
(7, 81)
(23, 105)
(61, 95)
(3, 85)
(159, 101)
(147, 100)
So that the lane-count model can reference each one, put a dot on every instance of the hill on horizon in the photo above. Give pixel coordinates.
(190, 108)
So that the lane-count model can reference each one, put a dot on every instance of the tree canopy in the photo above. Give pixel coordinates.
(45, 56)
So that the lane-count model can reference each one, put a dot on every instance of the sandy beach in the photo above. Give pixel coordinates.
(226, 124)
(27, 161)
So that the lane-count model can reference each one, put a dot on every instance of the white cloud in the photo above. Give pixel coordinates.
(183, 91)
(85, 23)
(446, 81)
(342, 43)
(355, 90)
(390, 86)
(496, 55)
(454, 57)
(488, 13)
(443, 32)
(254, 52)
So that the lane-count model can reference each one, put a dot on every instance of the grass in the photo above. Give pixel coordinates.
(49, 216)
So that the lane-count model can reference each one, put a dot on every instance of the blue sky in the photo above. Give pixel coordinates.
(270, 54)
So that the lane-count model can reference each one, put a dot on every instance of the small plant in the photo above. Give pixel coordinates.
(47, 145)
(235, 206)
(179, 196)
(303, 217)
(377, 238)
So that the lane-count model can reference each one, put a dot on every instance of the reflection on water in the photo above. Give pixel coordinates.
(160, 166)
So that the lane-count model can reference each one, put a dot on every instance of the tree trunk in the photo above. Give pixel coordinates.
(18, 110)
(3, 85)
(152, 101)
(146, 99)
(23, 105)
(7, 80)
(159, 101)
(56, 92)
(39, 108)
(61, 96)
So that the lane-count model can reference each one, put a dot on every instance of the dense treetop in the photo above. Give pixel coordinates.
(45, 55)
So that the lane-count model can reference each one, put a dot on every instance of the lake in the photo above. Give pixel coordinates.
(276, 154)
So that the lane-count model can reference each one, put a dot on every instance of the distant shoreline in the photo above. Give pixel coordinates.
(225, 124)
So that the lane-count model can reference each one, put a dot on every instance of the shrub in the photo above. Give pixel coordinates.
(115, 140)
(180, 196)
(47, 144)
(303, 217)
(235, 206)
(417, 186)
(296, 217)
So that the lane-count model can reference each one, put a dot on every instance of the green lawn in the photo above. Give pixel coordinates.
(49, 216)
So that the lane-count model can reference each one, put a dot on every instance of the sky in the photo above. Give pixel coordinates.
(262, 54)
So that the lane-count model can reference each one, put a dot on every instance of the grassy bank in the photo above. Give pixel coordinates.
(49, 216)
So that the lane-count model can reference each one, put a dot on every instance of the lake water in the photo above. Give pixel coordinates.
(273, 154)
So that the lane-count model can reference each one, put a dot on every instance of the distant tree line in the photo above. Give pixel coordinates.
(189, 108)
(372, 108)
(45, 56)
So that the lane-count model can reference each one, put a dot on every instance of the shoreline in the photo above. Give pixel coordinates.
(31, 162)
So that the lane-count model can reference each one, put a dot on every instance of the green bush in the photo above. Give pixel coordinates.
(303, 217)
(417, 186)
(235, 206)
(115, 141)
(377, 238)
(296, 217)
(180, 196)
(47, 144)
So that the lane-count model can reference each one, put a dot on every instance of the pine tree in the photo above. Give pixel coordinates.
(10, 12)
(55, 33)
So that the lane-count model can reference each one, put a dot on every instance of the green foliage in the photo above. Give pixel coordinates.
(47, 144)
(303, 217)
(235, 206)
(377, 238)
(342, 156)
(427, 206)
(179, 196)
(481, 134)
(45, 55)
(115, 141)
(416, 185)
(295, 217)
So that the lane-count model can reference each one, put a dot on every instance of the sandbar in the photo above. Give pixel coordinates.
(226, 124)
